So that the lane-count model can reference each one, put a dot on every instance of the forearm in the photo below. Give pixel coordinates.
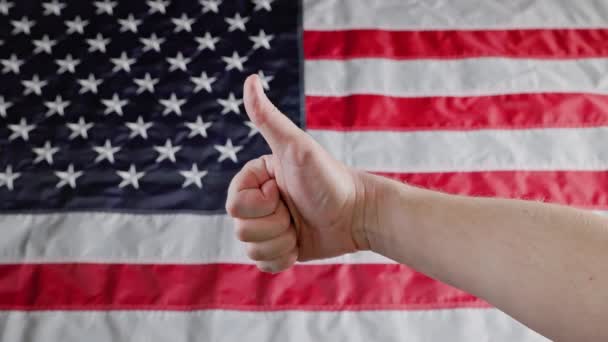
(546, 265)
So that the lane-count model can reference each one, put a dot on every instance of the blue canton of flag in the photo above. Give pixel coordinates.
(136, 105)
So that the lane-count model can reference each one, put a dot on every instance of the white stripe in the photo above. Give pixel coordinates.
(460, 77)
(129, 238)
(460, 325)
(454, 15)
(482, 150)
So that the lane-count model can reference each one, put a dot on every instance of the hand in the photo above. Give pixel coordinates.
(297, 203)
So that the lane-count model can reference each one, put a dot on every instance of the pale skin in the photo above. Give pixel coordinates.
(545, 265)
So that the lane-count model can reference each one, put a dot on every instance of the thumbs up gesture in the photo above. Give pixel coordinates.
(298, 203)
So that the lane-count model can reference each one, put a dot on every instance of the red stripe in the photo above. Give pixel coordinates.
(222, 286)
(535, 43)
(584, 189)
(376, 112)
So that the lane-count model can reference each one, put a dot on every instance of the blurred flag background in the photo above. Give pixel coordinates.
(121, 125)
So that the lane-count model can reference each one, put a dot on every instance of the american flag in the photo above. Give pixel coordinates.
(121, 125)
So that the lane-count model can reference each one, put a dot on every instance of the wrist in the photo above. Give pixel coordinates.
(366, 216)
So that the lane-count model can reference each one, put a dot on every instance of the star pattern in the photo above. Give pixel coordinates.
(68, 177)
(4, 106)
(34, 85)
(172, 105)
(152, 43)
(203, 82)
(261, 40)
(80, 128)
(21, 130)
(8, 177)
(53, 7)
(106, 152)
(122, 63)
(102, 91)
(235, 61)
(130, 177)
(145, 84)
(12, 64)
(24, 25)
(56, 107)
(167, 151)
(207, 42)
(67, 64)
(193, 177)
(183, 23)
(228, 151)
(139, 128)
(237, 23)
(114, 105)
(211, 6)
(230, 104)
(198, 127)
(129, 24)
(45, 153)
(178, 62)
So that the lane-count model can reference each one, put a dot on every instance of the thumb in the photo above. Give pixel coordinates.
(274, 126)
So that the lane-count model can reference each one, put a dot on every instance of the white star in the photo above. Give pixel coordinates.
(67, 64)
(158, 6)
(146, 83)
(68, 177)
(76, 25)
(237, 23)
(235, 61)
(5, 6)
(130, 177)
(261, 40)
(211, 5)
(129, 24)
(183, 23)
(45, 152)
(172, 104)
(265, 80)
(178, 62)
(152, 43)
(24, 25)
(79, 128)
(44, 44)
(56, 107)
(253, 130)
(262, 4)
(7, 178)
(89, 84)
(34, 85)
(12, 64)
(122, 63)
(22, 130)
(139, 128)
(105, 152)
(231, 104)
(198, 127)
(4, 105)
(105, 6)
(53, 7)
(167, 151)
(228, 151)
(207, 42)
(114, 105)
(98, 44)
(194, 176)
(203, 82)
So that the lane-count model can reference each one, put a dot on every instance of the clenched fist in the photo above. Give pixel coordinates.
(297, 203)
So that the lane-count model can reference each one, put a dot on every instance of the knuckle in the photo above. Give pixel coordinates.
(256, 253)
